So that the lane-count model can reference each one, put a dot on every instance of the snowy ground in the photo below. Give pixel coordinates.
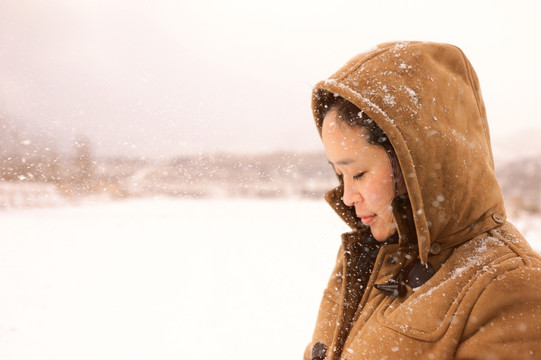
(167, 279)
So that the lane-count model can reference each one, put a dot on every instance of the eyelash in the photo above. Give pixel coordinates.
(356, 177)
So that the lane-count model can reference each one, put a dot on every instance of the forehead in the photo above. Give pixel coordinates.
(335, 129)
(348, 144)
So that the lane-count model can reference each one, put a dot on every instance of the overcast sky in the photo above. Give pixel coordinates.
(165, 78)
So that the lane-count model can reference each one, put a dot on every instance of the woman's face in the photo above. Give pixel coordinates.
(366, 172)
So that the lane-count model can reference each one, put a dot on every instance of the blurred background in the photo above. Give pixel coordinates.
(128, 98)
(161, 178)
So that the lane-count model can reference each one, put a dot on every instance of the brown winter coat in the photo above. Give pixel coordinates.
(484, 300)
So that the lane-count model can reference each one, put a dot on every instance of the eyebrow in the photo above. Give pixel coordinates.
(342, 162)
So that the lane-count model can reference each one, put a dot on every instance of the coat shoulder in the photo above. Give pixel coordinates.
(441, 305)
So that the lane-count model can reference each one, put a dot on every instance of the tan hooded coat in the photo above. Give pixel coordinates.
(484, 300)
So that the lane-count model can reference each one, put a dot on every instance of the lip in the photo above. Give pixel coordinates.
(367, 220)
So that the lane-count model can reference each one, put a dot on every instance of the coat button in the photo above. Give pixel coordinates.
(435, 248)
(319, 351)
(392, 288)
(356, 248)
(419, 274)
(498, 218)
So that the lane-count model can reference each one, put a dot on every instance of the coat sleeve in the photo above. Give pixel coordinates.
(329, 307)
(505, 323)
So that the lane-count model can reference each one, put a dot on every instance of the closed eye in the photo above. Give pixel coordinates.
(358, 176)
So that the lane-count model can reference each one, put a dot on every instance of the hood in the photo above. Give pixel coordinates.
(427, 99)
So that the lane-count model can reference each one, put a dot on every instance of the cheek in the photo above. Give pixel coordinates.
(380, 190)
(375, 191)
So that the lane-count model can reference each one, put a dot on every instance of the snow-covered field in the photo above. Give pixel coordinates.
(164, 279)
(168, 279)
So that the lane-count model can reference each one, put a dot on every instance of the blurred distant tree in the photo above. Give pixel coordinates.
(24, 158)
(84, 164)
(10, 151)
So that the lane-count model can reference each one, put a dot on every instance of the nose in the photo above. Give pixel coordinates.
(350, 195)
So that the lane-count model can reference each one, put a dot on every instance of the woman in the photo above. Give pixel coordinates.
(431, 268)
